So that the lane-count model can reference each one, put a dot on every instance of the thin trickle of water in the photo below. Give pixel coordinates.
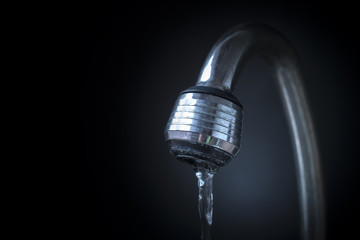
(205, 183)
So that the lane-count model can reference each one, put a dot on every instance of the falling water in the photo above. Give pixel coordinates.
(205, 183)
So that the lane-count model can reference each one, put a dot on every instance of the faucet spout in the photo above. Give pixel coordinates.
(206, 122)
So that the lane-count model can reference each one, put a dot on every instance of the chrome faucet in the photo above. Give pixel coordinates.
(206, 123)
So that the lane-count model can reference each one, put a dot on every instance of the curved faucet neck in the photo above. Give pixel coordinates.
(221, 70)
(234, 49)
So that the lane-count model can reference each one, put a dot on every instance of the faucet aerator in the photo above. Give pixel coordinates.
(205, 124)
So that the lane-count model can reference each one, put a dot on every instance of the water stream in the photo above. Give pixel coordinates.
(205, 184)
(204, 171)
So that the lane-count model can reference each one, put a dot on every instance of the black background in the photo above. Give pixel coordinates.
(129, 62)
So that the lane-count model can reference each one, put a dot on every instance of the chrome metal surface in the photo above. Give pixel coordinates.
(221, 69)
(206, 119)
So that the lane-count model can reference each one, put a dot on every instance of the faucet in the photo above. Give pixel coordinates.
(205, 126)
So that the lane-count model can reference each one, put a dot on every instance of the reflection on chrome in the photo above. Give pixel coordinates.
(207, 70)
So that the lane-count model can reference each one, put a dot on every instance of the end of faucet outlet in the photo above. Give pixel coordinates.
(205, 125)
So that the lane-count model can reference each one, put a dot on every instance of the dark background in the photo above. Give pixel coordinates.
(129, 62)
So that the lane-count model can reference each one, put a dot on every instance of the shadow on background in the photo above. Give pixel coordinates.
(128, 65)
